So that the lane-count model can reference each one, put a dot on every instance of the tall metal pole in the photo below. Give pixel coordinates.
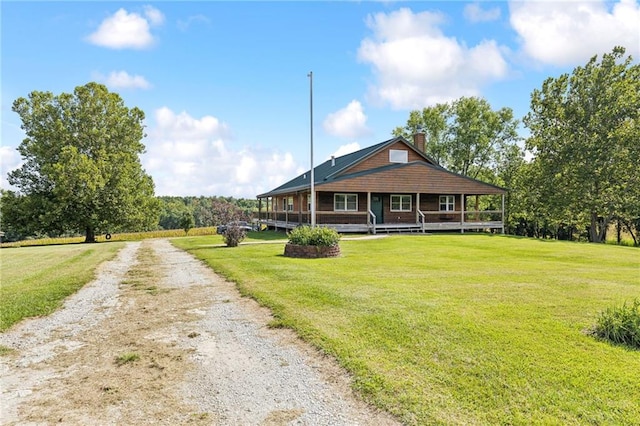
(313, 189)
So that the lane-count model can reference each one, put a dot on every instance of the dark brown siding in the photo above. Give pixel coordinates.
(382, 158)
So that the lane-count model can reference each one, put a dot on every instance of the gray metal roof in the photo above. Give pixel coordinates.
(327, 172)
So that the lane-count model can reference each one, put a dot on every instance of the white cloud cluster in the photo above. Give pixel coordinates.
(125, 30)
(122, 80)
(348, 122)
(566, 33)
(473, 12)
(191, 156)
(417, 65)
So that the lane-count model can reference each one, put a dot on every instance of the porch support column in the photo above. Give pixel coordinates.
(299, 195)
(259, 211)
(462, 214)
(368, 210)
(502, 228)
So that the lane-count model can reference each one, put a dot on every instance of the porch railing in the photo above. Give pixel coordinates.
(421, 219)
(371, 222)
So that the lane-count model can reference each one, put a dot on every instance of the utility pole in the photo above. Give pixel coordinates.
(313, 189)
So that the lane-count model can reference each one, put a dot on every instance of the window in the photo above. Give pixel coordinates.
(284, 203)
(398, 156)
(401, 203)
(309, 202)
(345, 202)
(290, 204)
(447, 203)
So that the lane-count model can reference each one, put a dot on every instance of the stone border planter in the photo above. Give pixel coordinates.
(311, 252)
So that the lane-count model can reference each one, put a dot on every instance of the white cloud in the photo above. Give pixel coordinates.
(566, 33)
(125, 30)
(153, 15)
(348, 122)
(191, 20)
(194, 156)
(417, 65)
(347, 149)
(9, 160)
(473, 12)
(123, 80)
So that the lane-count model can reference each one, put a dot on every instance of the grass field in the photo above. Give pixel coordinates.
(125, 236)
(457, 329)
(36, 280)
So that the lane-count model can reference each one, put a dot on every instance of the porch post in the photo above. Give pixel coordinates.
(299, 194)
(368, 210)
(259, 211)
(417, 207)
(502, 213)
(462, 214)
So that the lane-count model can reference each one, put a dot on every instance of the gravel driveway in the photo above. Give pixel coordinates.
(158, 338)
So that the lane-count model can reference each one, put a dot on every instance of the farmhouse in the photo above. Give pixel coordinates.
(389, 187)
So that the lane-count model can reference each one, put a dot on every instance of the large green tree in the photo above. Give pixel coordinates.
(81, 169)
(466, 136)
(585, 139)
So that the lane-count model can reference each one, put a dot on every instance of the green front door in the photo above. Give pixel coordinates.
(376, 207)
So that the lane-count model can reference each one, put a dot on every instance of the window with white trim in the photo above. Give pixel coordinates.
(308, 202)
(400, 203)
(290, 204)
(447, 203)
(345, 202)
(398, 156)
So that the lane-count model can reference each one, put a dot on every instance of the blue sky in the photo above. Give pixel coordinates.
(224, 85)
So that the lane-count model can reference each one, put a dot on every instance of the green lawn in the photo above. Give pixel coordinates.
(457, 329)
(36, 280)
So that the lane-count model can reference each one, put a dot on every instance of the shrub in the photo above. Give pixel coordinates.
(620, 325)
(307, 236)
(234, 235)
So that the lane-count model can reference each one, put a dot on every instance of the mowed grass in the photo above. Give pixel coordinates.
(36, 280)
(458, 329)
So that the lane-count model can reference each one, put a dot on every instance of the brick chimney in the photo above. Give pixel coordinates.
(419, 141)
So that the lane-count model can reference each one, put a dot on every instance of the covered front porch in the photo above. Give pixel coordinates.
(385, 213)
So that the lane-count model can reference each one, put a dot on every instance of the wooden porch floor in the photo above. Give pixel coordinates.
(393, 227)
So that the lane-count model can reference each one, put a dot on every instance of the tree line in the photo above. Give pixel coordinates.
(171, 213)
(81, 171)
(204, 211)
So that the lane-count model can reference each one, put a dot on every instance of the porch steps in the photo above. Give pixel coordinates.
(398, 228)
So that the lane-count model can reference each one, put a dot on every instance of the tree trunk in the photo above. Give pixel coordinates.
(630, 229)
(594, 235)
(598, 228)
(90, 235)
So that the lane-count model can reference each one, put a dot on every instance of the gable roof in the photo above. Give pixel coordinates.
(327, 173)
